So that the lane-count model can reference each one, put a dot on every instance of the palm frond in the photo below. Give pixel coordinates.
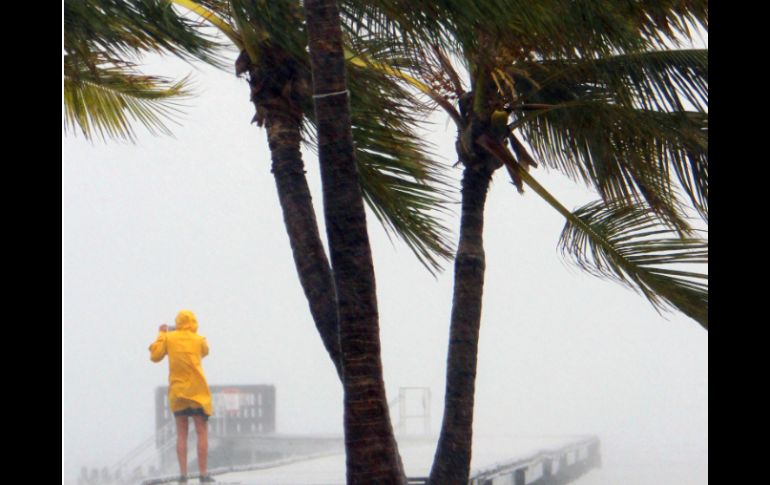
(606, 28)
(103, 91)
(546, 29)
(277, 23)
(667, 21)
(624, 152)
(210, 15)
(626, 244)
(126, 29)
(401, 64)
(398, 24)
(654, 80)
(105, 102)
(401, 183)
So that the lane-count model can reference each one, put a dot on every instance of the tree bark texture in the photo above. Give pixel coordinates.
(371, 450)
(278, 87)
(283, 134)
(451, 464)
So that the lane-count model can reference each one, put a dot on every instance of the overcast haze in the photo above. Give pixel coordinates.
(193, 222)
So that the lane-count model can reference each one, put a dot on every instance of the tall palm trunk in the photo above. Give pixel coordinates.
(276, 86)
(372, 453)
(451, 464)
(283, 133)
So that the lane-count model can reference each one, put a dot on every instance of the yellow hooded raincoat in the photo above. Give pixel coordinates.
(187, 386)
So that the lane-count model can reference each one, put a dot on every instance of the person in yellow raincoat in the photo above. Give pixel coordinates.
(188, 391)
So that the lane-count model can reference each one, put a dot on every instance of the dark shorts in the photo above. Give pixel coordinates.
(192, 412)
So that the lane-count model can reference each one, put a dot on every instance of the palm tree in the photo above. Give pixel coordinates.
(592, 90)
(370, 445)
(605, 109)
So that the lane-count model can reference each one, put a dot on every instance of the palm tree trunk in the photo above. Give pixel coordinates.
(283, 135)
(372, 453)
(451, 464)
(277, 87)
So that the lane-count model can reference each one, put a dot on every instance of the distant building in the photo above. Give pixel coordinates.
(241, 413)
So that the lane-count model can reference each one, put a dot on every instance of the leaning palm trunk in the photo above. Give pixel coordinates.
(451, 464)
(278, 86)
(283, 133)
(372, 453)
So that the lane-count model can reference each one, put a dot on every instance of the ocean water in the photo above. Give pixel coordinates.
(649, 467)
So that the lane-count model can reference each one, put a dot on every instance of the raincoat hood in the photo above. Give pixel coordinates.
(186, 320)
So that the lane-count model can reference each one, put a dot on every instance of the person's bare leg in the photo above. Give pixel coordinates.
(182, 426)
(202, 432)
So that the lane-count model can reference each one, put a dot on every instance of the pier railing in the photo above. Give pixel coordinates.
(546, 467)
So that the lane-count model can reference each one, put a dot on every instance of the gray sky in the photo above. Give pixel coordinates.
(193, 222)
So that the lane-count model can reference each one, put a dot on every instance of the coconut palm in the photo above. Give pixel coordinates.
(371, 450)
(587, 88)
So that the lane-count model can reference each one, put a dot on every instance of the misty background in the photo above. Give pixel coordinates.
(193, 222)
